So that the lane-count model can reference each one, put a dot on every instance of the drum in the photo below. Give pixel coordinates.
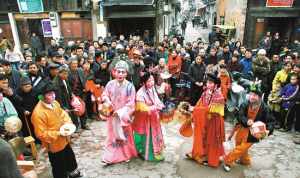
(166, 114)
(13, 124)
(183, 113)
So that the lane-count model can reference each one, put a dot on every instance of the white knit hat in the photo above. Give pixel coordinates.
(122, 65)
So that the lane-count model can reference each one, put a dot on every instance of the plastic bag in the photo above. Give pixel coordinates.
(79, 105)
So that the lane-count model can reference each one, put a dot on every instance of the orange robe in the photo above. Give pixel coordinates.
(96, 93)
(209, 133)
(225, 84)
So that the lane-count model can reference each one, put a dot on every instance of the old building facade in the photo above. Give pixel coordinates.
(262, 18)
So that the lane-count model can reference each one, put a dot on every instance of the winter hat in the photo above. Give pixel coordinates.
(25, 81)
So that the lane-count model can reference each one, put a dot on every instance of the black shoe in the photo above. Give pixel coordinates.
(77, 130)
(86, 127)
(284, 130)
(79, 174)
(277, 127)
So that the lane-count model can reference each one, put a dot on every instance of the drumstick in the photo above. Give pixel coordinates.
(27, 124)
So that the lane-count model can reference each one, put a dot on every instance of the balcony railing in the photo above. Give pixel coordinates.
(9, 6)
(67, 5)
(127, 2)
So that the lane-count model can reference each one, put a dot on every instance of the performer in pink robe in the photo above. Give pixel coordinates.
(120, 94)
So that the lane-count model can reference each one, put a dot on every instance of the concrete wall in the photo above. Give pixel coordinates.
(234, 12)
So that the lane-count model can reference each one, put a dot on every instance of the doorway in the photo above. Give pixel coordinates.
(285, 27)
(128, 26)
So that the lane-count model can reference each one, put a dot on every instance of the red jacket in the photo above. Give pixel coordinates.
(174, 65)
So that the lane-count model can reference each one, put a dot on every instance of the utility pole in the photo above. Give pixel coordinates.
(14, 30)
(157, 3)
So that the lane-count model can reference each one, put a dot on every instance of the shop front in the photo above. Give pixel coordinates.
(259, 20)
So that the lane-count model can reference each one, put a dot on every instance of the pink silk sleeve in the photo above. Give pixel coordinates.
(125, 113)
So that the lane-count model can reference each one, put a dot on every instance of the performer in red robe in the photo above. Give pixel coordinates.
(209, 133)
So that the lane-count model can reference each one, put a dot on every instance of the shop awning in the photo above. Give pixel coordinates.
(128, 2)
(136, 14)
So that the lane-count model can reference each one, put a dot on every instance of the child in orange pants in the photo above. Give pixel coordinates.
(253, 111)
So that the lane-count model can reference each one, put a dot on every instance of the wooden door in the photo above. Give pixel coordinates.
(259, 30)
(77, 29)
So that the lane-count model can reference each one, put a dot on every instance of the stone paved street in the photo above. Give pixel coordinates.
(276, 157)
(191, 34)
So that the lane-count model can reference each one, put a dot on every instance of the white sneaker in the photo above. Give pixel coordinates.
(226, 168)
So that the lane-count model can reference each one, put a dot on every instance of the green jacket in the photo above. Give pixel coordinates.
(7, 109)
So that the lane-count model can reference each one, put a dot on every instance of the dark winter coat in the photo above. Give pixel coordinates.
(103, 75)
(275, 46)
(38, 83)
(261, 66)
(27, 101)
(211, 60)
(63, 94)
(197, 72)
(82, 81)
(14, 79)
(234, 66)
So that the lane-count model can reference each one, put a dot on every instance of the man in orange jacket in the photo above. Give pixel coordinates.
(174, 66)
(47, 118)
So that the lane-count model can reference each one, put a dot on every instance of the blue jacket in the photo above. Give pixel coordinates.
(247, 66)
(288, 94)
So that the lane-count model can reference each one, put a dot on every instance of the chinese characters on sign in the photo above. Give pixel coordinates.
(30, 6)
(47, 30)
(279, 3)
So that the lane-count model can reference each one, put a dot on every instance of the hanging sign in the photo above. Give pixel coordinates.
(279, 3)
(46, 25)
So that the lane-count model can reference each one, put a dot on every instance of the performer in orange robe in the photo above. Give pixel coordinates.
(208, 122)
(225, 80)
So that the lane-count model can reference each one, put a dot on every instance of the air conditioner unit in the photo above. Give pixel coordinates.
(167, 8)
(53, 19)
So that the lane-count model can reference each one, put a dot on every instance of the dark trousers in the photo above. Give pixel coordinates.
(283, 117)
(88, 105)
(63, 162)
(277, 116)
(78, 121)
(173, 82)
(75, 119)
(291, 114)
(195, 93)
(83, 119)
